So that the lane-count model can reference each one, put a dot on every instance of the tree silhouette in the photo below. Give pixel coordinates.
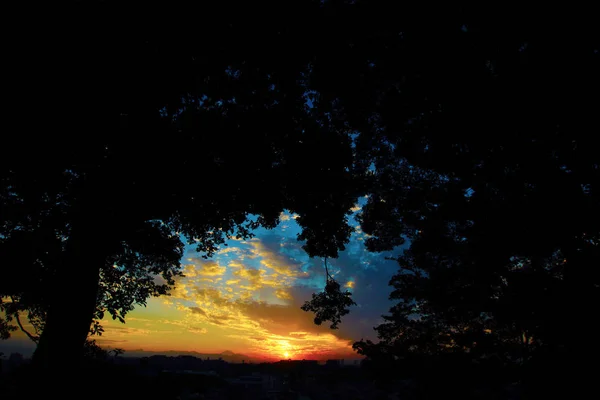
(484, 160)
(157, 138)
(6, 328)
(331, 304)
(117, 352)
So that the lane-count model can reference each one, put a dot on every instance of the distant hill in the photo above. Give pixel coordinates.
(17, 345)
(26, 348)
(227, 355)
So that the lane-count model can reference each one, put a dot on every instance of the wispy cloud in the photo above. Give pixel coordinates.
(283, 294)
(278, 262)
(197, 330)
(284, 217)
(198, 267)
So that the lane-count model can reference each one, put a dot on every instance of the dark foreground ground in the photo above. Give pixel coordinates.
(187, 378)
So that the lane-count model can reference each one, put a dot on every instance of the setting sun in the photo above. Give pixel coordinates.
(286, 355)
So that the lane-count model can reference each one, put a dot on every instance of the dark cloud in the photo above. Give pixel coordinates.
(300, 335)
(211, 296)
(219, 319)
(198, 310)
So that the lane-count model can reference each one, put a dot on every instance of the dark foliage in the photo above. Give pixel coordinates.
(476, 139)
(331, 304)
(483, 138)
(137, 140)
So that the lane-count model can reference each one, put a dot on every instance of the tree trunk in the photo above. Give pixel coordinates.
(72, 307)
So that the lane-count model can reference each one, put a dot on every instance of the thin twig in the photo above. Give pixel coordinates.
(327, 275)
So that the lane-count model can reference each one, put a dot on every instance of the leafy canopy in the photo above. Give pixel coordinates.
(155, 139)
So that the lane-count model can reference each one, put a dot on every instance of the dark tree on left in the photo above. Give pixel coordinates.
(122, 141)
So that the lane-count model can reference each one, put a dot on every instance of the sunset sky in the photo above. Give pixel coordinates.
(247, 299)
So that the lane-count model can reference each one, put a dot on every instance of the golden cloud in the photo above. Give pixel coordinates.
(355, 208)
(210, 268)
(210, 297)
(235, 264)
(139, 319)
(250, 288)
(277, 262)
(245, 295)
(230, 250)
(256, 278)
(180, 291)
(283, 294)
(173, 322)
(197, 330)
(298, 334)
(249, 273)
(114, 330)
(189, 270)
(284, 217)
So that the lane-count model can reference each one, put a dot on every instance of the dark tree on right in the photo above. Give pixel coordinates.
(482, 135)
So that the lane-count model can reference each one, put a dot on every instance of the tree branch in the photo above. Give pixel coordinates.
(327, 275)
(17, 317)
